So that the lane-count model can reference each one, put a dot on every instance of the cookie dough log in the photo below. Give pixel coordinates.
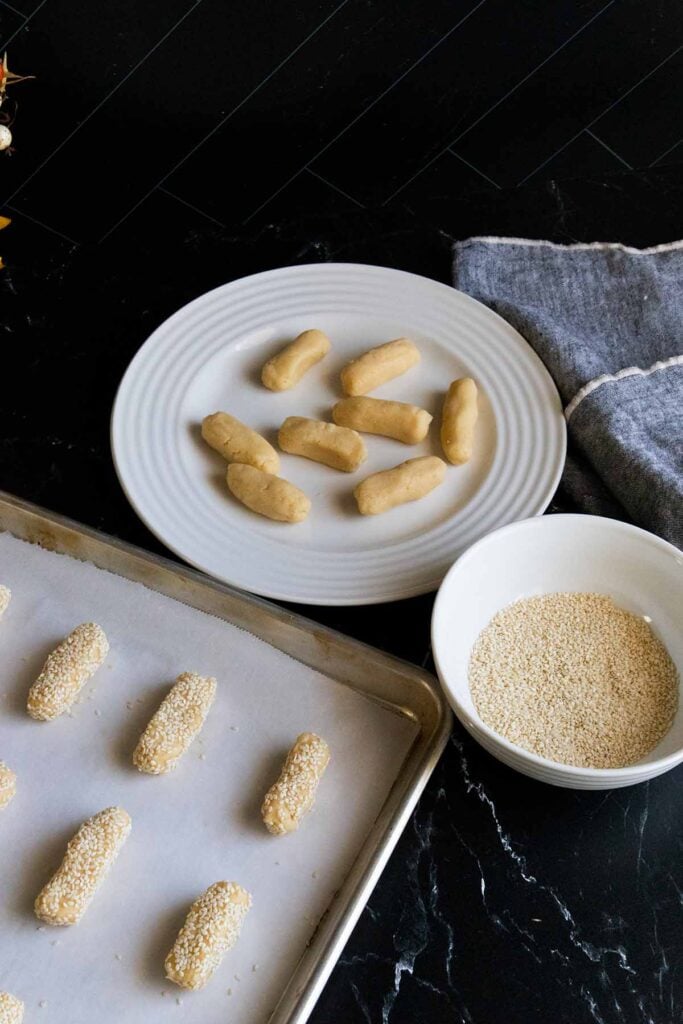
(287, 368)
(211, 928)
(8, 787)
(5, 597)
(88, 858)
(175, 724)
(400, 420)
(379, 365)
(458, 420)
(408, 482)
(334, 446)
(292, 796)
(66, 671)
(11, 1009)
(269, 495)
(237, 442)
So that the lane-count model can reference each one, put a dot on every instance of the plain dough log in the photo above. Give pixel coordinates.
(287, 368)
(379, 365)
(175, 724)
(458, 420)
(269, 495)
(5, 597)
(292, 796)
(66, 671)
(400, 420)
(407, 482)
(11, 1009)
(237, 442)
(337, 447)
(88, 858)
(211, 928)
(8, 787)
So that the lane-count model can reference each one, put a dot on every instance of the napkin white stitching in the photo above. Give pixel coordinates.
(493, 239)
(607, 378)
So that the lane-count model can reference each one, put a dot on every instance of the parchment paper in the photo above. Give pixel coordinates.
(193, 827)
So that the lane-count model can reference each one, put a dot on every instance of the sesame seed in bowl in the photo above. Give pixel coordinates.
(557, 641)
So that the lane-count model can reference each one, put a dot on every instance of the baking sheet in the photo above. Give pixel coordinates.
(191, 828)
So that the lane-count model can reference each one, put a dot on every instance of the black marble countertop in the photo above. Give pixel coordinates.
(364, 132)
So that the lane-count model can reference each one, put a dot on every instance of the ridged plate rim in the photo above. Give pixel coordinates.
(527, 408)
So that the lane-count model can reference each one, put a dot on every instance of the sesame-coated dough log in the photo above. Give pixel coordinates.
(287, 368)
(337, 447)
(237, 442)
(88, 858)
(5, 597)
(175, 724)
(8, 785)
(66, 671)
(400, 420)
(11, 1009)
(379, 365)
(211, 928)
(292, 796)
(458, 421)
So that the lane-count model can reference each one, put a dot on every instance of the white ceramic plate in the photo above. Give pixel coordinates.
(208, 356)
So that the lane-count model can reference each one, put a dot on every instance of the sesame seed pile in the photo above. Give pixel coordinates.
(212, 928)
(175, 724)
(11, 1009)
(574, 678)
(66, 671)
(293, 794)
(8, 784)
(89, 855)
(5, 596)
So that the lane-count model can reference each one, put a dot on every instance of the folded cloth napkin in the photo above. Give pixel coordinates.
(607, 322)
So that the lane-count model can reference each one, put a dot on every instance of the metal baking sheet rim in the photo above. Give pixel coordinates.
(395, 683)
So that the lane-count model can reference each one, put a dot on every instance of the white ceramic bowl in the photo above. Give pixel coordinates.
(641, 572)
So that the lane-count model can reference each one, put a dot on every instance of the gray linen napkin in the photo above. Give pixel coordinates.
(607, 322)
